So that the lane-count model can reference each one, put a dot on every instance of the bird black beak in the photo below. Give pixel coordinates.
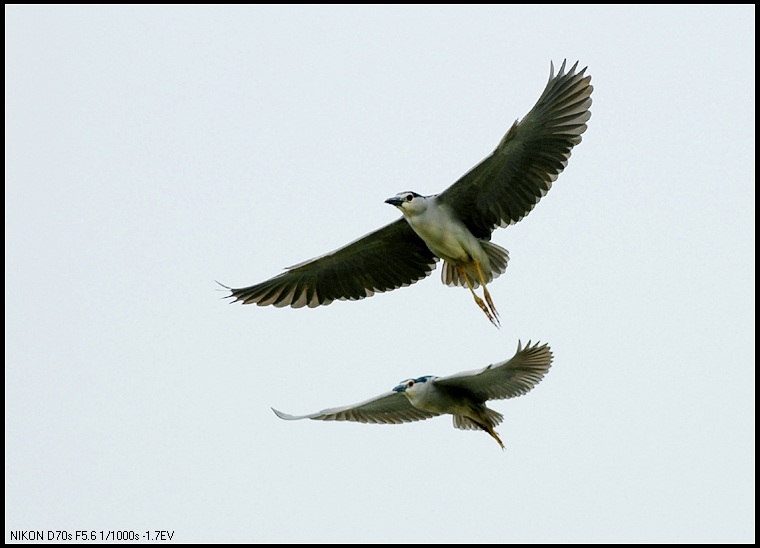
(400, 388)
(395, 201)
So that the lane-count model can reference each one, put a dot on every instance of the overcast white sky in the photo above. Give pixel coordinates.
(151, 151)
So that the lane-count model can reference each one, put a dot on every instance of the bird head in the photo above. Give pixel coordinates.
(410, 386)
(408, 202)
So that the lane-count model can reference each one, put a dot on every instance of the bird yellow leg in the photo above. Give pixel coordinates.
(488, 428)
(478, 300)
(486, 294)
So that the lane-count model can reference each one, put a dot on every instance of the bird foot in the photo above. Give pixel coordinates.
(493, 319)
(487, 295)
(495, 436)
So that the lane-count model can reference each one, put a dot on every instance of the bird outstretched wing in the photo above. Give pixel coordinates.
(506, 186)
(386, 259)
(388, 408)
(507, 379)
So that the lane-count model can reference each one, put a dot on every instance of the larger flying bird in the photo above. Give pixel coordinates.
(454, 225)
(462, 395)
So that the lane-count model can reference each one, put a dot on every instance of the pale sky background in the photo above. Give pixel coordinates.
(152, 150)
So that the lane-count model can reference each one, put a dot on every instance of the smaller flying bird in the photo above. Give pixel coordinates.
(455, 225)
(462, 395)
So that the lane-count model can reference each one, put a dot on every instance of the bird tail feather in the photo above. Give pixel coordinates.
(498, 257)
(466, 423)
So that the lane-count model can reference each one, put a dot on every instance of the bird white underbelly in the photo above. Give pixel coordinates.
(447, 237)
(428, 397)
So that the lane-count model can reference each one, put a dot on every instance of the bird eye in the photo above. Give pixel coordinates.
(409, 197)
(410, 384)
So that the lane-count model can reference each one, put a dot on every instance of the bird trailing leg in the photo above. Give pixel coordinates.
(488, 428)
(486, 294)
(478, 300)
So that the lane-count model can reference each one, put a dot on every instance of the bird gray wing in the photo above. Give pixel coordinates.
(389, 258)
(388, 408)
(507, 185)
(507, 379)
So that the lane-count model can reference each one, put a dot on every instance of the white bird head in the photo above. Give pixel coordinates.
(415, 389)
(410, 203)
